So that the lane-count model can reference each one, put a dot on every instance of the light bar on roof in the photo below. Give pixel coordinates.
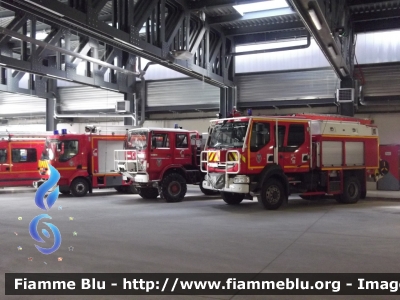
(260, 6)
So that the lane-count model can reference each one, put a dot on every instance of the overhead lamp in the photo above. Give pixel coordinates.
(315, 19)
(332, 50)
(343, 71)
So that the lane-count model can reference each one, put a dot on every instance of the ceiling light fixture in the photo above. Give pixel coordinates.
(332, 50)
(343, 71)
(260, 6)
(315, 19)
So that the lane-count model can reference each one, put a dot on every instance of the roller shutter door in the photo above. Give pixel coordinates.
(286, 86)
(175, 93)
(74, 99)
(381, 80)
(21, 105)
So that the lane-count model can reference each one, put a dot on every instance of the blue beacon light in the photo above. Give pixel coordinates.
(63, 131)
(56, 132)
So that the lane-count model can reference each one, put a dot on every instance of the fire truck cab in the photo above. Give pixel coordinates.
(272, 157)
(85, 162)
(161, 161)
(20, 154)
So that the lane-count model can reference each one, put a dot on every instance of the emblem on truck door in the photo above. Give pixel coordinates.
(95, 152)
(258, 158)
(158, 162)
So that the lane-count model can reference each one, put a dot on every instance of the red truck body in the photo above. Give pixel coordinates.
(161, 161)
(271, 157)
(85, 162)
(19, 159)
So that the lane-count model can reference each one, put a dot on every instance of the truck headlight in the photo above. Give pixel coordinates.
(241, 179)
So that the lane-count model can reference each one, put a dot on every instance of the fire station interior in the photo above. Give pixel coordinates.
(164, 79)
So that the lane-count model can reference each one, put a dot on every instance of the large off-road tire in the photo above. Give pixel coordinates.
(148, 193)
(232, 198)
(272, 194)
(173, 187)
(208, 192)
(79, 187)
(351, 191)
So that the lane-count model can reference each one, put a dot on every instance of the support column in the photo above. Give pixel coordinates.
(231, 101)
(130, 97)
(223, 103)
(347, 109)
(51, 122)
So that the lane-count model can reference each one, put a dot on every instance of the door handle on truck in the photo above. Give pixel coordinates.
(8, 169)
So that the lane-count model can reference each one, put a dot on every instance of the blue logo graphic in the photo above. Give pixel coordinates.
(35, 235)
(40, 202)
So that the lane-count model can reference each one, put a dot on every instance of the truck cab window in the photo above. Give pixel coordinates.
(3, 155)
(181, 141)
(296, 136)
(160, 140)
(260, 136)
(23, 155)
(69, 150)
(281, 136)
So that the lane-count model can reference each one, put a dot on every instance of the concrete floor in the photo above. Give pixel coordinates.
(124, 233)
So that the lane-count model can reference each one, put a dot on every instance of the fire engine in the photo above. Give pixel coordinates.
(162, 161)
(272, 157)
(85, 161)
(20, 155)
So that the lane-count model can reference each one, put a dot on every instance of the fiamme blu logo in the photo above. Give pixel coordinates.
(41, 200)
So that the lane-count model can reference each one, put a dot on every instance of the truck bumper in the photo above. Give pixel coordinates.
(37, 184)
(232, 187)
(136, 178)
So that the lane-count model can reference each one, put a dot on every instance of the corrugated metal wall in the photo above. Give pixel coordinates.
(18, 104)
(181, 93)
(87, 98)
(283, 86)
(382, 80)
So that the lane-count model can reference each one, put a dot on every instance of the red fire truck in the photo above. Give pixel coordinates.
(85, 161)
(20, 154)
(161, 161)
(272, 157)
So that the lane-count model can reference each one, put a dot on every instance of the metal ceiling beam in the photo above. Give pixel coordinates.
(323, 37)
(250, 16)
(376, 25)
(264, 28)
(269, 36)
(65, 51)
(377, 15)
(150, 47)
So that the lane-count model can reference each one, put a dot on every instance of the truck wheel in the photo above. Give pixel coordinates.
(130, 189)
(119, 189)
(232, 198)
(272, 194)
(148, 193)
(351, 191)
(208, 192)
(79, 187)
(173, 187)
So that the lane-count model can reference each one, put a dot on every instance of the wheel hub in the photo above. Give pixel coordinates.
(273, 194)
(174, 188)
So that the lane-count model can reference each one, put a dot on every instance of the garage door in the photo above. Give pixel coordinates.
(381, 80)
(18, 104)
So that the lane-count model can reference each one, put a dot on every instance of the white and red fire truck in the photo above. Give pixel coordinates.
(85, 161)
(162, 161)
(272, 157)
(20, 154)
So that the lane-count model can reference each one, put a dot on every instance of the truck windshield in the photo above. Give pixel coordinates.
(228, 135)
(137, 140)
(63, 150)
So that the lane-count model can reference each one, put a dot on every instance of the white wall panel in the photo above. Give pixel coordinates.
(378, 47)
(308, 58)
(18, 104)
